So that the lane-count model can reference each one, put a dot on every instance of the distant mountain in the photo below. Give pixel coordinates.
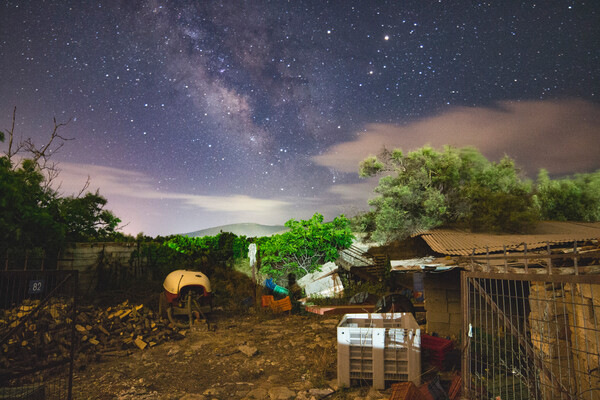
(248, 229)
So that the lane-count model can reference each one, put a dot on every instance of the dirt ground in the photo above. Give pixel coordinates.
(254, 355)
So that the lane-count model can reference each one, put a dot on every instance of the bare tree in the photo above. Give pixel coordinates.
(39, 155)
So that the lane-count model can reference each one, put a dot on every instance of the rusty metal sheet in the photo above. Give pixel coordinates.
(456, 242)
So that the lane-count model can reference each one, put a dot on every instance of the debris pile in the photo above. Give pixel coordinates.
(122, 327)
(41, 335)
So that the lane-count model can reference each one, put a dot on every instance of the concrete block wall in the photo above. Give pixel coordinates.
(585, 338)
(86, 257)
(565, 333)
(443, 303)
(550, 335)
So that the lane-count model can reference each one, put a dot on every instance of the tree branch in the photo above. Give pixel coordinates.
(44, 150)
(84, 188)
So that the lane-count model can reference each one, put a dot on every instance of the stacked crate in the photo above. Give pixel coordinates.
(381, 348)
(436, 349)
(406, 391)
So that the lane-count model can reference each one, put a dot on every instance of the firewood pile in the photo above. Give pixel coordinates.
(44, 338)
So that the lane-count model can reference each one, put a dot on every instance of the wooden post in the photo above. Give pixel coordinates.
(505, 259)
(575, 258)
(487, 258)
(526, 261)
(254, 280)
(549, 258)
(466, 337)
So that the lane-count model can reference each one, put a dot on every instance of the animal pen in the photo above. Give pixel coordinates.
(532, 332)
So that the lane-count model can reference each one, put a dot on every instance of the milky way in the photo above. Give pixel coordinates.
(188, 114)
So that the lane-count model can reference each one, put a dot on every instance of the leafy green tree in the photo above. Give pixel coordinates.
(575, 198)
(427, 188)
(32, 213)
(305, 246)
(499, 200)
(26, 208)
(85, 218)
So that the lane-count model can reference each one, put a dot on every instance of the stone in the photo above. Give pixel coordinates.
(333, 384)
(330, 323)
(303, 395)
(374, 395)
(320, 393)
(281, 393)
(258, 393)
(193, 396)
(211, 392)
(248, 350)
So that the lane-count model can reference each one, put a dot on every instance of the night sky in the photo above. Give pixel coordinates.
(192, 114)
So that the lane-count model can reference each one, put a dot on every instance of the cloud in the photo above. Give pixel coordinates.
(136, 199)
(561, 136)
(118, 182)
(358, 193)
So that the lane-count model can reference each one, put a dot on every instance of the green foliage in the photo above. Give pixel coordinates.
(370, 166)
(33, 215)
(426, 188)
(226, 244)
(499, 200)
(363, 222)
(85, 218)
(574, 198)
(209, 251)
(353, 286)
(27, 210)
(305, 247)
(161, 259)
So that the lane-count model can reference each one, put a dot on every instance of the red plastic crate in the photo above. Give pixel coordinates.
(437, 349)
(455, 386)
(436, 343)
(406, 391)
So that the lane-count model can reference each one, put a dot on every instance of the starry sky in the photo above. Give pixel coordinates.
(192, 114)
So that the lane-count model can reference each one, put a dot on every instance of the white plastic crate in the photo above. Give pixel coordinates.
(381, 348)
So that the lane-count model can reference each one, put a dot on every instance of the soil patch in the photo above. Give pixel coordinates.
(255, 355)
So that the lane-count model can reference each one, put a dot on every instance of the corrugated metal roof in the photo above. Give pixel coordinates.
(455, 242)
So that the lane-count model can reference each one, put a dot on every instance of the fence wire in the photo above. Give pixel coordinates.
(531, 337)
(37, 334)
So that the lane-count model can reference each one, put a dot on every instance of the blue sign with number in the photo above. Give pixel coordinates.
(36, 286)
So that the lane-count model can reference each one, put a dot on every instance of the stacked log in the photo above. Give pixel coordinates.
(43, 333)
(125, 326)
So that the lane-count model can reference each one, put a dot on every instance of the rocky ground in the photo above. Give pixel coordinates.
(254, 355)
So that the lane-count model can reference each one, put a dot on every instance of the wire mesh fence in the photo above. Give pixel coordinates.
(37, 334)
(530, 336)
